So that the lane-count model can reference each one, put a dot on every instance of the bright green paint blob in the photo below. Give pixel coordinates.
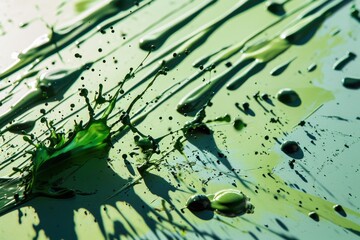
(48, 162)
(56, 155)
(231, 203)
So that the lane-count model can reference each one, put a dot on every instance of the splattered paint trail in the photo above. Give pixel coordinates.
(183, 111)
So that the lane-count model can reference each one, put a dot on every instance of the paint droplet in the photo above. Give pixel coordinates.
(339, 209)
(290, 147)
(312, 67)
(289, 97)
(21, 127)
(198, 203)
(343, 61)
(265, 96)
(246, 106)
(354, 12)
(239, 124)
(314, 216)
(275, 7)
(351, 83)
(231, 203)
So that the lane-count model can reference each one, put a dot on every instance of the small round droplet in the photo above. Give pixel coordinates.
(246, 106)
(339, 209)
(239, 124)
(312, 67)
(290, 147)
(265, 96)
(228, 64)
(198, 203)
(314, 216)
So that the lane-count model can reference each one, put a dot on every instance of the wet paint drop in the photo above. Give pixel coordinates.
(302, 123)
(343, 61)
(312, 67)
(290, 147)
(280, 69)
(339, 209)
(275, 7)
(289, 97)
(351, 83)
(21, 127)
(239, 124)
(292, 164)
(354, 12)
(314, 216)
(246, 106)
(225, 118)
(157, 37)
(265, 97)
(198, 203)
(231, 203)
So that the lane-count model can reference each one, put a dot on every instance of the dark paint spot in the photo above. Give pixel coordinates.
(301, 176)
(239, 124)
(289, 97)
(290, 147)
(198, 203)
(339, 209)
(312, 67)
(351, 83)
(275, 8)
(314, 216)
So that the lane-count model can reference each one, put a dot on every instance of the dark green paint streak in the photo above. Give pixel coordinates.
(343, 61)
(157, 37)
(280, 69)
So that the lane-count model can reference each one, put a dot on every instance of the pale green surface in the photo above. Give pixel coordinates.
(332, 168)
